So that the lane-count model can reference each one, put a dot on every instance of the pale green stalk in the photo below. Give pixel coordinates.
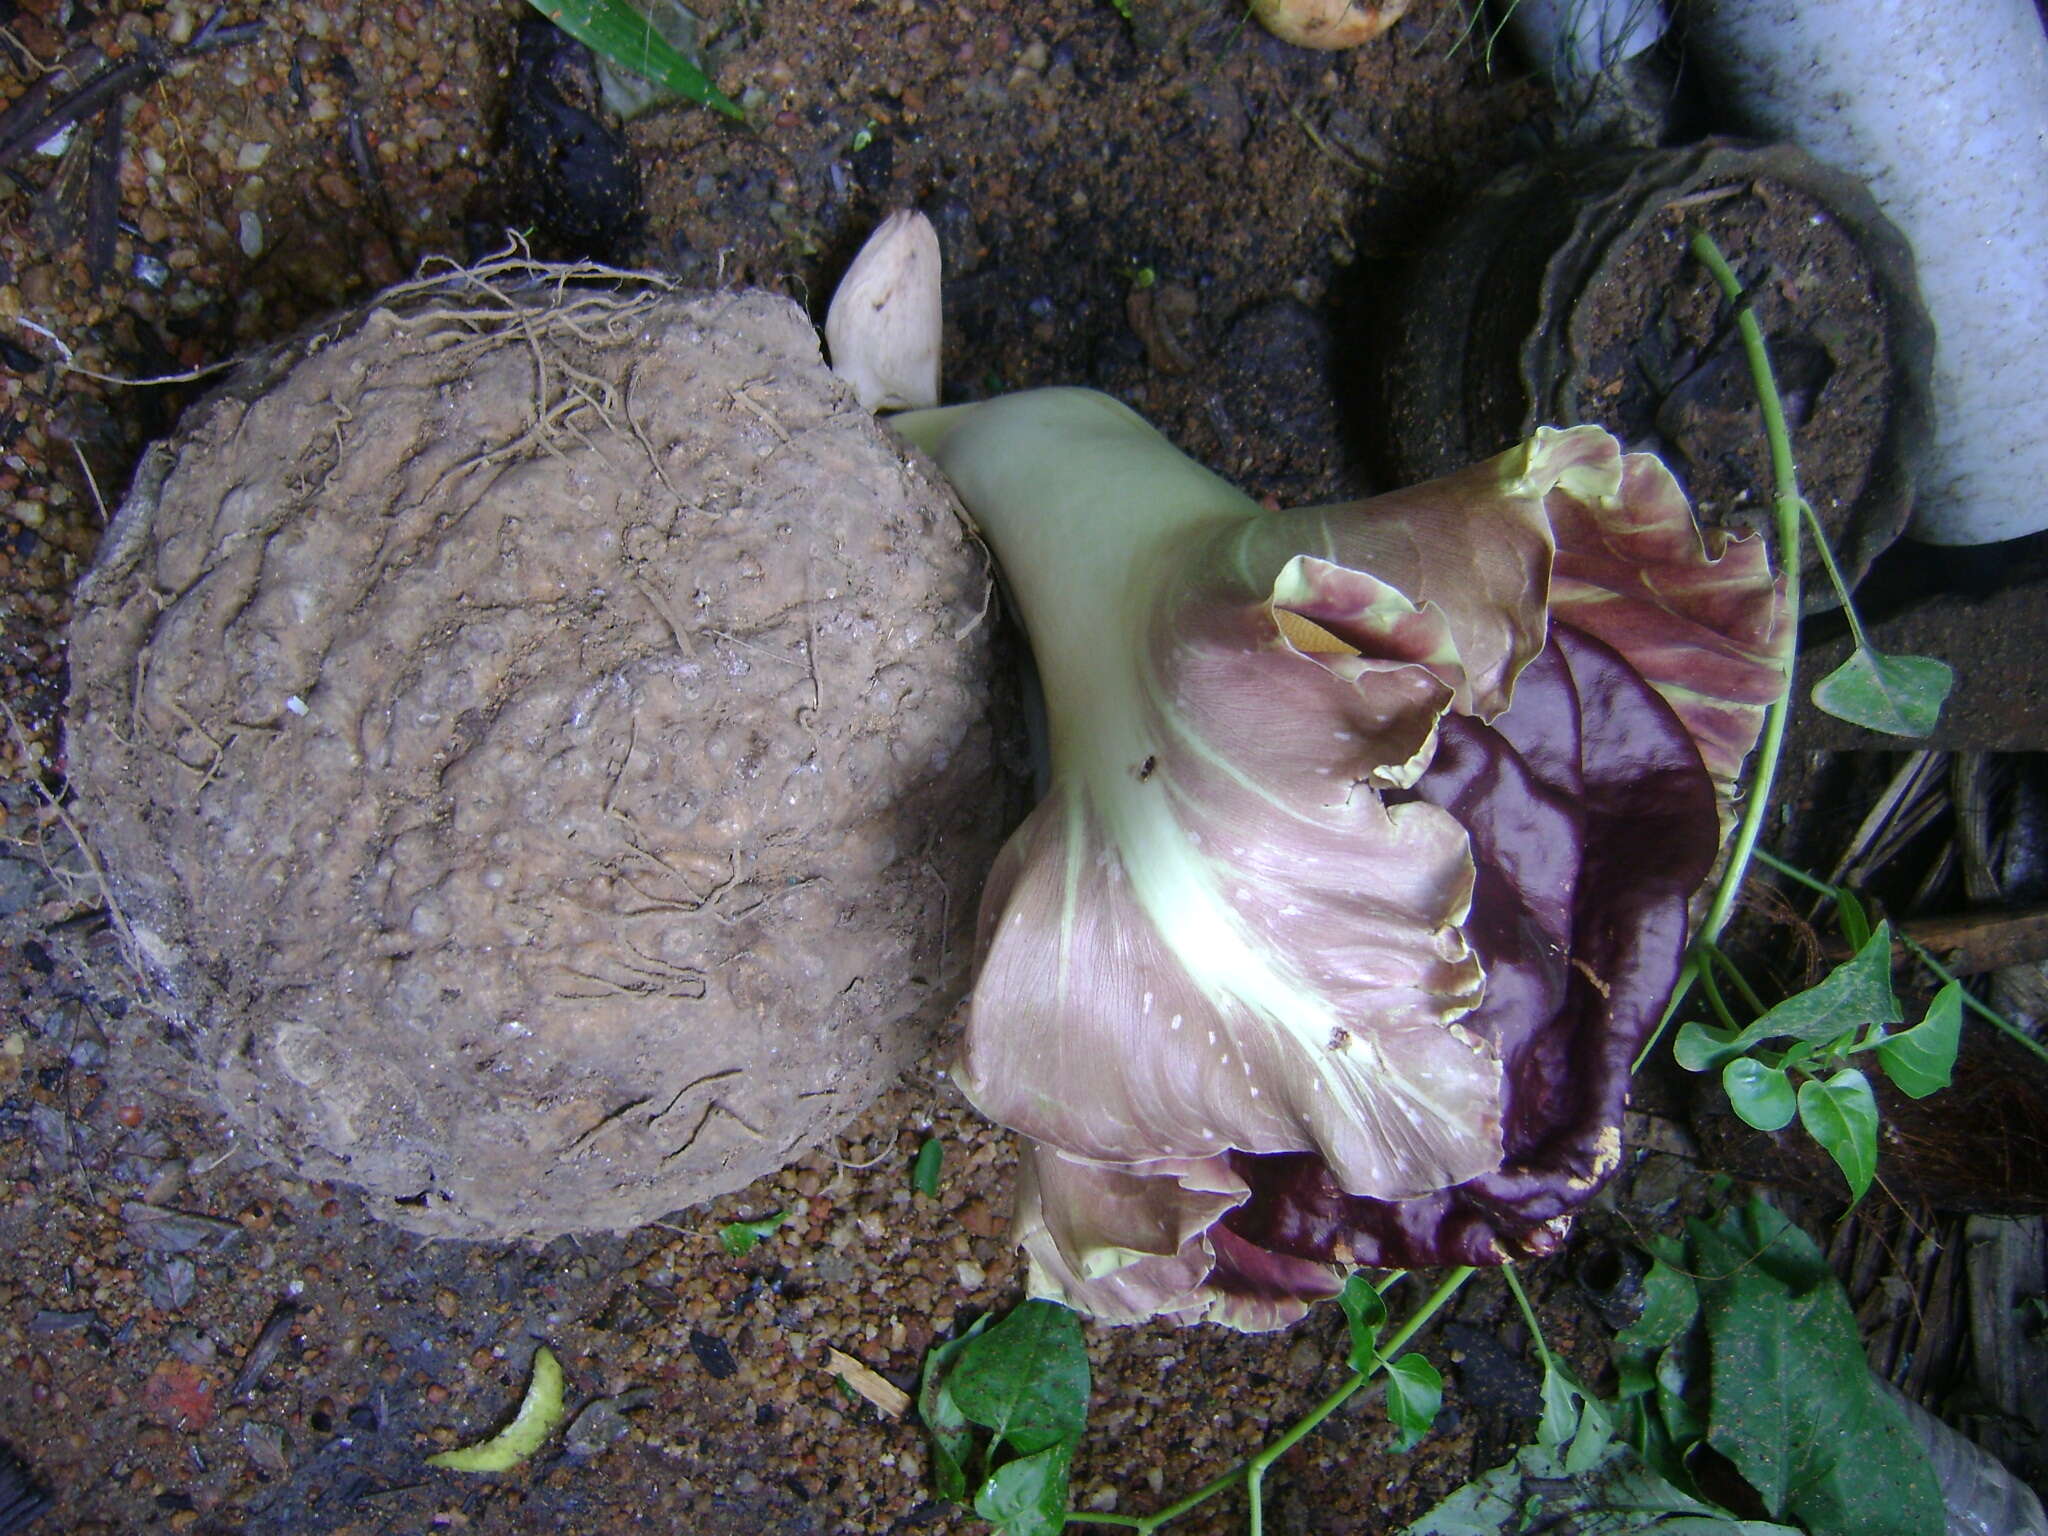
(1786, 504)
(1507, 1272)
(1091, 515)
(1253, 1468)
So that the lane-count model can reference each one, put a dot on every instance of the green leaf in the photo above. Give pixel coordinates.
(1561, 1398)
(613, 29)
(1922, 1059)
(1591, 1439)
(952, 1439)
(1367, 1311)
(1683, 1421)
(1670, 1303)
(1415, 1392)
(1762, 1095)
(1028, 1496)
(1841, 1115)
(1573, 1419)
(628, 95)
(1632, 1380)
(1697, 1047)
(1853, 994)
(1899, 695)
(1795, 1407)
(1852, 919)
(1026, 1378)
(924, 1170)
(1614, 1495)
(738, 1237)
(1645, 1434)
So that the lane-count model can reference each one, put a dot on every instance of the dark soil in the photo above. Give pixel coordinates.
(1661, 366)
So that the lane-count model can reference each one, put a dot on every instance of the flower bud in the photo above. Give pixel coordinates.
(883, 326)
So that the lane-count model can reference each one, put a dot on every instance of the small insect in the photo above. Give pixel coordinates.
(1339, 1039)
(1147, 768)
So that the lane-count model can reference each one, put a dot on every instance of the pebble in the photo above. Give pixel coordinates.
(20, 884)
(39, 287)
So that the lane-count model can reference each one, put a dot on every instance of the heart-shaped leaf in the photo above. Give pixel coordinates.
(1898, 695)
(1026, 1378)
(1028, 1496)
(1561, 1399)
(1595, 1433)
(1841, 1114)
(1921, 1060)
(1853, 994)
(1415, 1391)
(1793, 1404)
(1762, 1095)
(1670, 1302)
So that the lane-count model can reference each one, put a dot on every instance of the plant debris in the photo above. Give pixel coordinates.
(539, 1412)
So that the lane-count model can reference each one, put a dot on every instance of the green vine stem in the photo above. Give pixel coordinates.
(1711, 990)
(1507, 1273)
(1786, 506)
(1717, 959)
(1253, 1468)
(1982, 1009)
(1827, 560)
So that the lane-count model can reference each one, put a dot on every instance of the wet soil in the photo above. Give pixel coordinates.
(1660, 365)
(1182, 211)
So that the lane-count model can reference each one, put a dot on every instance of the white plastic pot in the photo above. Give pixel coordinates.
(1574, 40)
(1944, 111)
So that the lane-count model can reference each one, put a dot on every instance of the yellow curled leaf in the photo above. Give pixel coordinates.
(538, 1415)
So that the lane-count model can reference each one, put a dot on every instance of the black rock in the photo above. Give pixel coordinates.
(574, 177)
(713, 1354)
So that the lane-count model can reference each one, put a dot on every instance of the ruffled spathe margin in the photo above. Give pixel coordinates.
(1348, 963)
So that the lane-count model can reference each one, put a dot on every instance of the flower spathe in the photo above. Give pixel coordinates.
(1365, 864)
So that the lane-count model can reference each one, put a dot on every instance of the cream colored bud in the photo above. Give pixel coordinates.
(1327, 23)
(883, 326)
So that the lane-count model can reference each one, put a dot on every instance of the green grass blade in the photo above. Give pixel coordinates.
(620, 33)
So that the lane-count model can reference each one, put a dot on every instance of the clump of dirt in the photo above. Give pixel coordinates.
(538, 731)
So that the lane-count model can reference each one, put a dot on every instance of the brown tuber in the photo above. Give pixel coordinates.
(538, 735)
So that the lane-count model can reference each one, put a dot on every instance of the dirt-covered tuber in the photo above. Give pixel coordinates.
(538, 736)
